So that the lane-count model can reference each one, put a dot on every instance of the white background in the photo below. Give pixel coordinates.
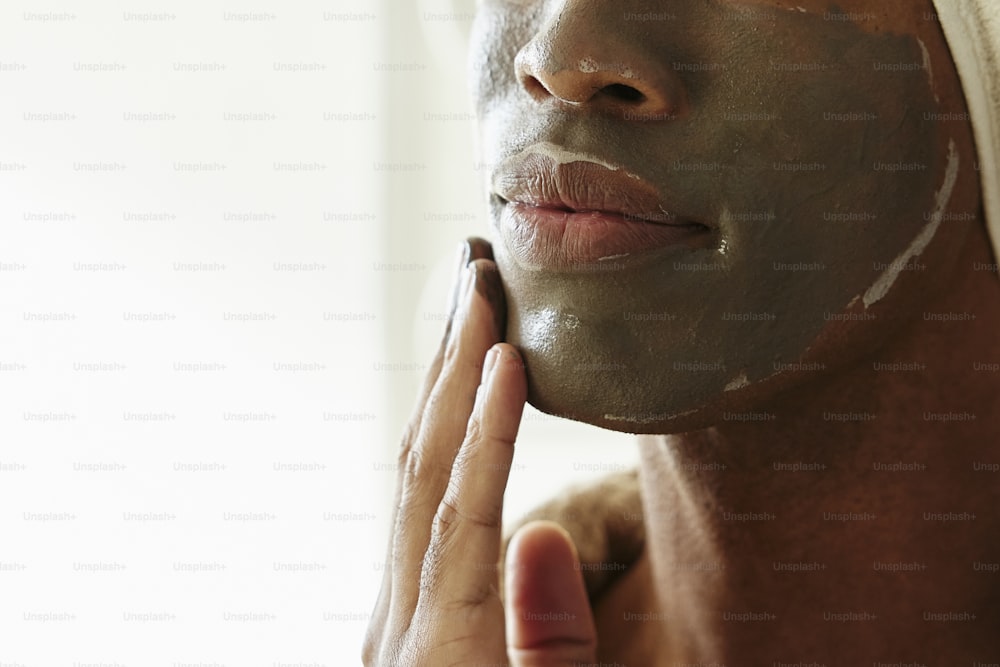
(225, 237)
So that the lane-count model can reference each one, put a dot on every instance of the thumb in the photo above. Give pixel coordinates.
(549, 621)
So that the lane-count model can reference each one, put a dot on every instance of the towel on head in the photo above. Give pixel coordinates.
(972, 28)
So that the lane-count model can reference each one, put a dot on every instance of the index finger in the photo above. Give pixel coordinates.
(460, 568)
(471, 249)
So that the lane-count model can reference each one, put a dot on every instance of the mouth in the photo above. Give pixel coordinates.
(584, 215)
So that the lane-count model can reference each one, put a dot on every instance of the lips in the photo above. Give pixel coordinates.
(580, 214)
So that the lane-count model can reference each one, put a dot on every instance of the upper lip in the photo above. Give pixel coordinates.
(537, 180)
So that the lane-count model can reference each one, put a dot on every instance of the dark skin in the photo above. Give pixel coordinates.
(793, 186)
(720, 517)
(690, 527)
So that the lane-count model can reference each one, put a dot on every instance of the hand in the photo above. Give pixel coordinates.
(439, 604)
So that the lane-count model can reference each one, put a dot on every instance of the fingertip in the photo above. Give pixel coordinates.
(509, 351)
(490, 363)
(509, 356)
(508, 380)
(542, 539)
(479, 247)
(535, 550)
(545, 591)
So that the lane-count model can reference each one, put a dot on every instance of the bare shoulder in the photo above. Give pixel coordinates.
(629, 629)
(604, 518)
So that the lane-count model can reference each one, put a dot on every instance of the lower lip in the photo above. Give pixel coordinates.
(552, 239)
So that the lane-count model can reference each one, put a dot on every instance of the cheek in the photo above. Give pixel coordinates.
(873, 16)
(843, 169)
(498, 32)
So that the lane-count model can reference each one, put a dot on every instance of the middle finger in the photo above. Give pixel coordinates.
(446, 415)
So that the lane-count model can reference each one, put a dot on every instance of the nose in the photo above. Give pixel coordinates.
(575, 59)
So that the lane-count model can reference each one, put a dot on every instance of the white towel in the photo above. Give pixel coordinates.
(972, 28)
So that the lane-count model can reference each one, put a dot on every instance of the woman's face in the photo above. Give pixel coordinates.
(772, 175)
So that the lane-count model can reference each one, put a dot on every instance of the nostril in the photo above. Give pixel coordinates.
(534, 87)
(623, 92)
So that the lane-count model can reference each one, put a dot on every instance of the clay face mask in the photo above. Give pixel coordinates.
(805, 148)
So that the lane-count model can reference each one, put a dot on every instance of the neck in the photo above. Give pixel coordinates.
(859, 509)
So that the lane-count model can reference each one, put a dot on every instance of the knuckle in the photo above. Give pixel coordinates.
(497, 440)
(420, 468)
(474, 599)
(479, 433)
(447, 410)
(406, 445)
(450, 518)
(446, 519)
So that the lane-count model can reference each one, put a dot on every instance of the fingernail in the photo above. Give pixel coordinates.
(464, 252)
(490, 363)
(462, 255)
(480, 248)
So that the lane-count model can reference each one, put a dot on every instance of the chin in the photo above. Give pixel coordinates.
(679, 403)
(614, 418)
(626, 407)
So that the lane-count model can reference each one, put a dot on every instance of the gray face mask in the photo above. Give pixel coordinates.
(784, 135)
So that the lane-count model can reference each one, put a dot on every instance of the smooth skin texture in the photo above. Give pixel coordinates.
(724, 520)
